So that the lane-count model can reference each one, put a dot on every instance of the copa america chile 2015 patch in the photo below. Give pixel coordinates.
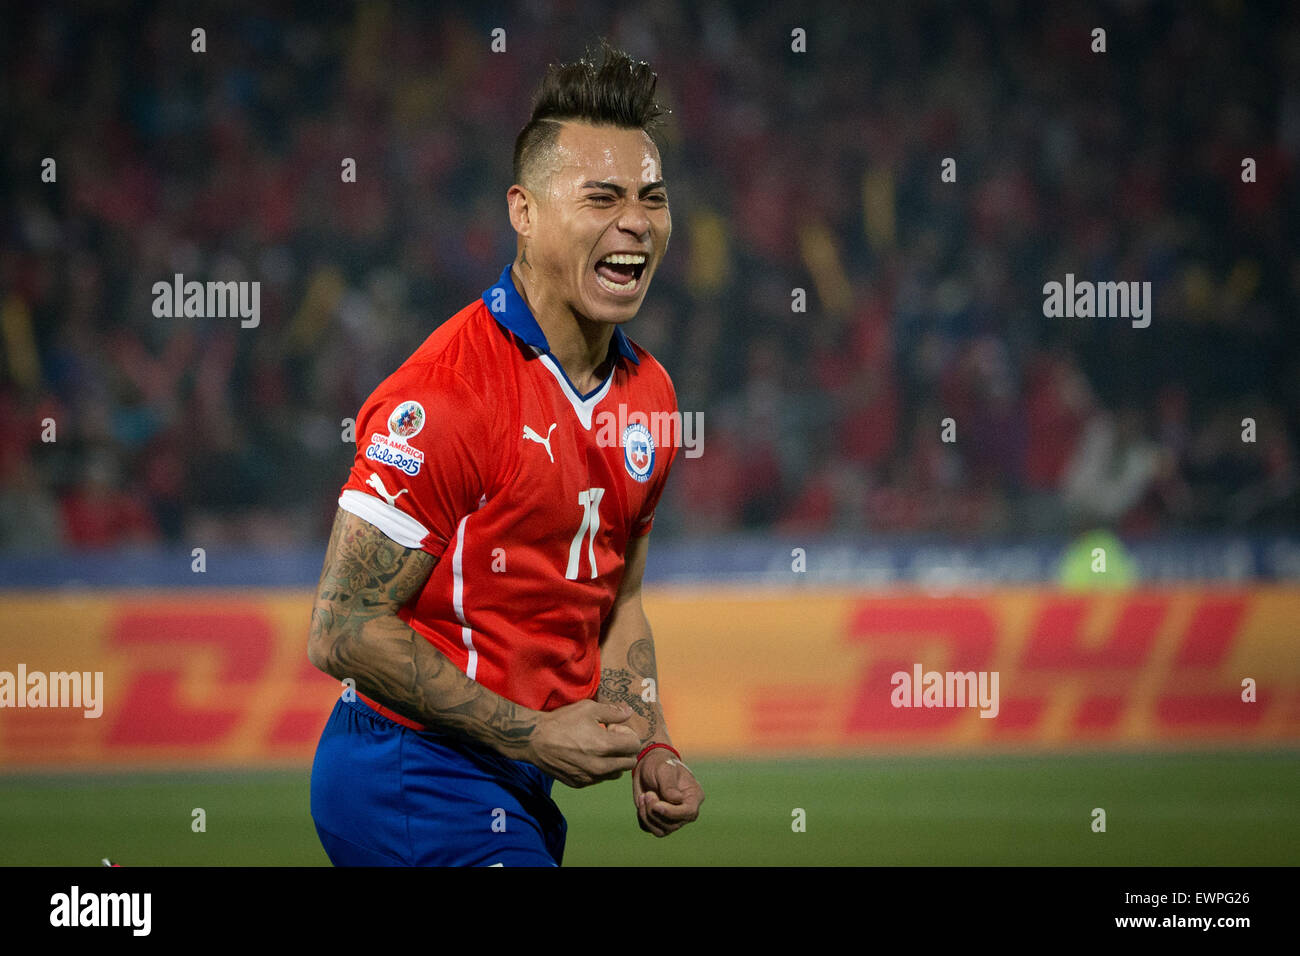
(638, 451)
(394, 448)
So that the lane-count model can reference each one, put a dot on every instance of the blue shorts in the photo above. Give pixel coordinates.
(385, 795)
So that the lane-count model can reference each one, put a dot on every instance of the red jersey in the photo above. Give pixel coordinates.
(480, 451)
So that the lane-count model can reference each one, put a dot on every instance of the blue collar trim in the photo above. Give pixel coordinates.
(512, 313)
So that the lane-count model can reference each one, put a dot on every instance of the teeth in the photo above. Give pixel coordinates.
(625, 259)
(627, 286)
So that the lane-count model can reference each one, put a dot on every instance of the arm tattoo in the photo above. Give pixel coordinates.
(641, 658)
(355, 632)
(621, 685)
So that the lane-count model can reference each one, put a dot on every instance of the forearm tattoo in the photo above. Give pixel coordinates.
(355, 632)
(627, 685)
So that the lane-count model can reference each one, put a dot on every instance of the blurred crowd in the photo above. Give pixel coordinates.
(919, 390)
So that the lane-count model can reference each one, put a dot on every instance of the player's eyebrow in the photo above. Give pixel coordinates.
(619, 190)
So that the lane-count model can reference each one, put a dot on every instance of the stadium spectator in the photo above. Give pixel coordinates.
(822, 174)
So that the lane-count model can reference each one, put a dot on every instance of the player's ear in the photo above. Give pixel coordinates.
(522, 209)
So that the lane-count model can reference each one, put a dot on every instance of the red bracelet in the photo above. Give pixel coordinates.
(653, 746)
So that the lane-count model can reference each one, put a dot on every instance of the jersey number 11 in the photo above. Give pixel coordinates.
(589, 501)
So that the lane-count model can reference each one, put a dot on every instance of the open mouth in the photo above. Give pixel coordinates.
(620, 273)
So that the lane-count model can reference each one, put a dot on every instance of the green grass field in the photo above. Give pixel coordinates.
(1186, 809)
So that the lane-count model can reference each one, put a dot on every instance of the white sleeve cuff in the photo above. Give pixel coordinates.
(389, 519)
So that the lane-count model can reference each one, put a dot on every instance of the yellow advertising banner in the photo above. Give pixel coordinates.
(222, 678)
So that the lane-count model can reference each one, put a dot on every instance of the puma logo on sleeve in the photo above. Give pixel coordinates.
(374, 481)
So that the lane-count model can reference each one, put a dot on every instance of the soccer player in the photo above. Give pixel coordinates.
(481, 594)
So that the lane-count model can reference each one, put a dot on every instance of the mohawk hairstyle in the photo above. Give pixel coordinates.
(619, 91)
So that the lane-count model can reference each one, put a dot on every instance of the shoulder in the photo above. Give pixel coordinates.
(650, 375)
(457, 370)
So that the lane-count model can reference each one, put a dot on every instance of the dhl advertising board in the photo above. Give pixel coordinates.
(194, 679)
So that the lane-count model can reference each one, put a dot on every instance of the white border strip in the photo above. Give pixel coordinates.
(583, 408)
(389, 519)
(458, 599)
